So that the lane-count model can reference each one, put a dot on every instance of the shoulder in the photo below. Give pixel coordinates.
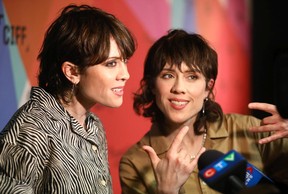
(240, 120)
(24, 117)
(27, 127)
(236, 120)
(233, 124)
(135, 153)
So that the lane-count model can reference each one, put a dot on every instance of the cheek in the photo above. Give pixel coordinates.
(161, 88)
(199, 95)
(91, 85)
(160, 92)
(196, 91)
(159, 96)
(89, 82)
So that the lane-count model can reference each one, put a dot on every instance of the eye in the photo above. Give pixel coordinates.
(115, 62)
(111, 63)
(167, 76)
(192, 77)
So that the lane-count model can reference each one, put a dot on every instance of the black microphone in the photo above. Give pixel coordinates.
(223, 173)
(229, 173)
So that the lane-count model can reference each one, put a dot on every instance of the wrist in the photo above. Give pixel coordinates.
(167, 191)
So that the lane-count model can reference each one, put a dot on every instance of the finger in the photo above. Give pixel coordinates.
(276, 118)
(203, 149)
(270, 108)
(267, 127)
(268, 139)
(194, 162)
(275, 136)
(263, 128)
(152, 154)
(178, 139)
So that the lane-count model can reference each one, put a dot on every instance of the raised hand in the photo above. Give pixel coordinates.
(174, 169)
(274, 123)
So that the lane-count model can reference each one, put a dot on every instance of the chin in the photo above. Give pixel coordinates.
(178, 121)
(115, 105)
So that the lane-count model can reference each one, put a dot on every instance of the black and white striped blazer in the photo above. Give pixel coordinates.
(45, 150)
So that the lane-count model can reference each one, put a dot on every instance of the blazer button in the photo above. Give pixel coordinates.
(94, 147)
(103, 182)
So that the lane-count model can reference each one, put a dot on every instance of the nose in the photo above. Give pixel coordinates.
(123, 72)
(178, 86)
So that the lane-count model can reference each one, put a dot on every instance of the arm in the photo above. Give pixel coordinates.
(136, 177)
(16, 169)
(274, 123)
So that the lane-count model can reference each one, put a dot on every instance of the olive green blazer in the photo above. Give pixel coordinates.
(136, 172)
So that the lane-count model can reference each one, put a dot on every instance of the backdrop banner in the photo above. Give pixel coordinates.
(225, 24)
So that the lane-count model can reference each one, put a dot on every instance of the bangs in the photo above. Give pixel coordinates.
(182, 51)
(179, 47)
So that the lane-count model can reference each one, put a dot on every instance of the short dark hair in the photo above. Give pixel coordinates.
(174, 48)
(80, 35)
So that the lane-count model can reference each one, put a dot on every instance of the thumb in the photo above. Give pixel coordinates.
(152, 154)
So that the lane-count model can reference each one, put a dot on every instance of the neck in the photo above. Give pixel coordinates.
(171, 129)
(76, 110)
(191, 141)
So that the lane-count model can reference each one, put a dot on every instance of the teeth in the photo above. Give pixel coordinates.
(178, 102)
(117, 89)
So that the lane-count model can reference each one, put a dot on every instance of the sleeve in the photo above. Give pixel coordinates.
(136, 173)
(275, 158)
(17, 169)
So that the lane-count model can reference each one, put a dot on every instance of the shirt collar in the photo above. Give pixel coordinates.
(48, 103)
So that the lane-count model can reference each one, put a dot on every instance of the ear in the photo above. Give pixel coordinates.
(209, 87)
(210, 84)
(71, 72)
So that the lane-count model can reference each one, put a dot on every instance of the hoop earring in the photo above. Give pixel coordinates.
(72, 92)
(203, 108)
(73, 89)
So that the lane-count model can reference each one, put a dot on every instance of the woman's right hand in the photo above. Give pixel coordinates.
(174, 169)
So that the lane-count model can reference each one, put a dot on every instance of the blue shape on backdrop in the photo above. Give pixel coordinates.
(182, 16)
(8, 101)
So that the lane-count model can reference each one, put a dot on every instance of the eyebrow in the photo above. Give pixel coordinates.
(113, 58)
(186, 71)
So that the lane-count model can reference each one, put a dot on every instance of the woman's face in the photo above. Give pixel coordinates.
(104, 83)
(180, 94)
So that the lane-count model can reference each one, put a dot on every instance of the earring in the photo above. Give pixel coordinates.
(203, 108)
(72, 92)
(73, 88)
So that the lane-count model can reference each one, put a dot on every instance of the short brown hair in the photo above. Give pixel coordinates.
(174, 48)
(80, 35)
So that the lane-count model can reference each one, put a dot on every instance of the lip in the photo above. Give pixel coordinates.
(119, 91)
(178, 104)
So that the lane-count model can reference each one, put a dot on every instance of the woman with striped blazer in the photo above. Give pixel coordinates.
(53, 143)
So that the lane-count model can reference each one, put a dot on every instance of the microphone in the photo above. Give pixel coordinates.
(226, 174)
(229, 173)
(254, 176)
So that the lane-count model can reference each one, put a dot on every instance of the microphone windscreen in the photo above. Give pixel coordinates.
(223, 172)
(208, 157)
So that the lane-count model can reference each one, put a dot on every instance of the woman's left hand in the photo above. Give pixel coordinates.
(274, 123)
(173, 170)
